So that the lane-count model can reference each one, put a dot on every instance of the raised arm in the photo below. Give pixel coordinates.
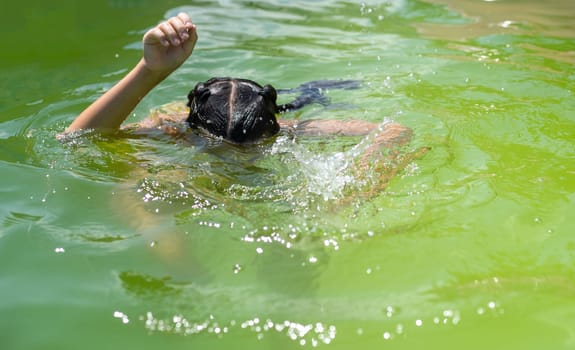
(166, 47)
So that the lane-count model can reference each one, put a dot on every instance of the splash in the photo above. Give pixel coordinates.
(324, 174)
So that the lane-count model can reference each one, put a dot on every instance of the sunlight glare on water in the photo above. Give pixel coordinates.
(325, 175)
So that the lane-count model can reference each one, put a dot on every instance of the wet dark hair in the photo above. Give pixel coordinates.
(241, 110)
(238, 110)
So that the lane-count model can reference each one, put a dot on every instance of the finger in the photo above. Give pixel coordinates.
(180, 27)
(154, 36)
(189, 35)
(170, 33)
(188, 45)
(189, 26)
(184, 18)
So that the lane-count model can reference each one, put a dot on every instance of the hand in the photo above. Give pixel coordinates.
(169, 44)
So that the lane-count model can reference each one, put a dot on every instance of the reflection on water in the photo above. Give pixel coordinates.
(487, 17)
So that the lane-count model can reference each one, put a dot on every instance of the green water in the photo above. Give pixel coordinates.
(148, 243)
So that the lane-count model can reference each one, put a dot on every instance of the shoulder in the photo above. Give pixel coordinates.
(169, 119)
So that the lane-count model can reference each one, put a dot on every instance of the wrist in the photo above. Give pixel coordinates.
(155, 75)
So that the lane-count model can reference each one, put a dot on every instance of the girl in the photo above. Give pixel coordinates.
(236, 110)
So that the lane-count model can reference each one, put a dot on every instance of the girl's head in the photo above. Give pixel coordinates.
(237, 110)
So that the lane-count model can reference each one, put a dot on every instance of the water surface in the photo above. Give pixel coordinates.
(146, 243)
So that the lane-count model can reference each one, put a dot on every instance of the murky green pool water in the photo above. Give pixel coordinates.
(146, 243)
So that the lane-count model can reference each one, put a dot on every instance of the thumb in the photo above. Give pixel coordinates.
(190, 43)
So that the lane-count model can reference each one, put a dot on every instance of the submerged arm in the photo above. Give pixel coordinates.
(166, 47)
(328, 127)
(389, 134)
(380, 160)
(386, 135)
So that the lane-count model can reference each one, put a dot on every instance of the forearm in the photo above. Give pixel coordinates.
(320, 127)
(111, 109)
(390, 135)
